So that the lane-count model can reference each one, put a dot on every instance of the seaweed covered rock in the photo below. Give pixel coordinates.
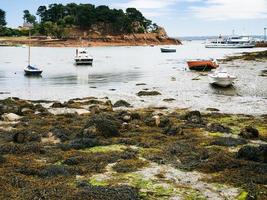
(57, 105)
(249, 132)
(121, 103)
(257, 154)
(27, 136)
(193, 117)
(173, 130)
(61, 133)
(80, 143)
(2, 159)
(101, 125)
(157, 120)
(216, 127)
(148, 93)
(73, 160)
(91, 192)
(14, 105)
(125, 166)
(27, 148)
(228, 141)
(54, 170)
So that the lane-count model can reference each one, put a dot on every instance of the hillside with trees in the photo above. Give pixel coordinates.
(87, 21)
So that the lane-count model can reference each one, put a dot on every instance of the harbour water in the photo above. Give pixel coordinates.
(118, 71)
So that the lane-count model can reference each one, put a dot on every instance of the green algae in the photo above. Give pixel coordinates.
(216, 134)
(242, 196)
(97, 182)
(105, 149)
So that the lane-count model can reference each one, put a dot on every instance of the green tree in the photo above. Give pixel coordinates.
(86, 16)
(41, 12)
(2, 18)
(28, 17)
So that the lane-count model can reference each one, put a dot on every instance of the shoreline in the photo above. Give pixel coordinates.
(123, 40)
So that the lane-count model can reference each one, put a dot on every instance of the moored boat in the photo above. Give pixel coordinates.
(231, 42)
(30, 70)
(221, 78)
(167, 50)
(202, 65)
(82, 57)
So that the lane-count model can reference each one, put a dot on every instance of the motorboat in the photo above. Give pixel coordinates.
(30, 70)
(231, 42)
(202, 65)
(168, 50)
(221, 78)
(82, 57)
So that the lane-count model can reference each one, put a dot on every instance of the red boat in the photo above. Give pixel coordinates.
(202, 65)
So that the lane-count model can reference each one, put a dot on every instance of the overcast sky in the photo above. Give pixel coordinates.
(179, 17)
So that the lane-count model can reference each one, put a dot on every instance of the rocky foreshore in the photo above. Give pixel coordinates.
(107, 40)
(94, 149)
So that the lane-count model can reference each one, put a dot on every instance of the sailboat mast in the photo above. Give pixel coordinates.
(29, 52)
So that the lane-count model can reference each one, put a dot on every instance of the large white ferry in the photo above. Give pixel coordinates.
(231, 42)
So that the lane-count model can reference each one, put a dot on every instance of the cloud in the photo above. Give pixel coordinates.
(231, 9)
(147, 4)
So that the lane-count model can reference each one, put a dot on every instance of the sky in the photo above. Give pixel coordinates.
(178, 17)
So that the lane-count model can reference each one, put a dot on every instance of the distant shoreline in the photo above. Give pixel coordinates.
(121, 40)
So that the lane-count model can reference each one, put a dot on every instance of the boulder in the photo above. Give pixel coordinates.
(253, 153)
(249, 132)
(216, 127)
(173, 130)
(11, 117)
(122, 103)
(27, 136)
(101, 125)
(194, 117)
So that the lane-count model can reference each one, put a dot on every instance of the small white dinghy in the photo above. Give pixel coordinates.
(82, 57)
(221, 78)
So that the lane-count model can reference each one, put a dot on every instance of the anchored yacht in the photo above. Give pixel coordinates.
(231, 42)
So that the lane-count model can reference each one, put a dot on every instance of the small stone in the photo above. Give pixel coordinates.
(127, 118)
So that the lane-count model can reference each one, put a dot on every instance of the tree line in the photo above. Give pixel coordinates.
(57, 19)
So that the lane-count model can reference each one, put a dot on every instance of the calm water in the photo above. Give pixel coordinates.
(117, 70)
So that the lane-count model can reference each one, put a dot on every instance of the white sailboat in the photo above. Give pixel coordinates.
(30, 70)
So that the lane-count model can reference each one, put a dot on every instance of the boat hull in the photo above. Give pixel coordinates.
(222, 82)
(228, 46)
(33, 73)
(163, 50)
(83, 61)
(202, 65)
